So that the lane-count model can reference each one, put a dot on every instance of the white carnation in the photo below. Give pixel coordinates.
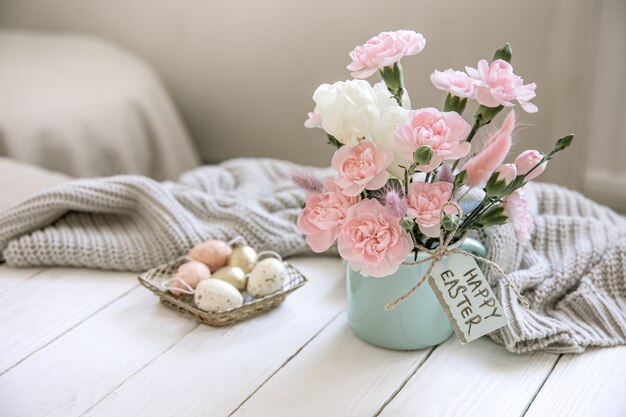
(384, 134)
(349, 110)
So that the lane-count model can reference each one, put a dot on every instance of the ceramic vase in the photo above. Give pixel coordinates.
(416, 323)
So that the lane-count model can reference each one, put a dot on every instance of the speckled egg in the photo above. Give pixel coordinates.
(216, 295)
(193, 272)
(267, 277)
(233, 275)
(243, 257)
(212, 253)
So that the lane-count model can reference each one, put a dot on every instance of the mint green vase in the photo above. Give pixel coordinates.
(416, 323)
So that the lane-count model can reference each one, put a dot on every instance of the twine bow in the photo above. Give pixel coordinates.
(435, 255)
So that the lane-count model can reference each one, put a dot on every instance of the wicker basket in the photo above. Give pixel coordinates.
(153, 279)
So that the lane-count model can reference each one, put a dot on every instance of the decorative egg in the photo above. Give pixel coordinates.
(212, 253)
(193, 272)
(243, 257)
(216, 295)
(267, 277)
(177, 287)
(233, 275)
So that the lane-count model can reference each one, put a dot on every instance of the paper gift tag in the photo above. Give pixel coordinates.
(466, 297)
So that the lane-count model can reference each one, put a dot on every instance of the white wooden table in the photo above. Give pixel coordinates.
(77, 342)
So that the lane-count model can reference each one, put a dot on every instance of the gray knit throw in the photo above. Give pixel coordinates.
(573, 271)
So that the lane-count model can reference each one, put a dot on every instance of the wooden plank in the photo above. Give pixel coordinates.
(477, 379)
(335, 375)
(75, 371)
(42, 308)
(589, 384)
(14, 276)
(212, 370)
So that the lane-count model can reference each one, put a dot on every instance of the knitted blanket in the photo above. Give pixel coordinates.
(573, 270)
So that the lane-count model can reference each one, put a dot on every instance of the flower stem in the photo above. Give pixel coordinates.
(406, 181)
(475, 215)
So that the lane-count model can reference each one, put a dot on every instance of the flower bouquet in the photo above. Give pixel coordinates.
(411, 183)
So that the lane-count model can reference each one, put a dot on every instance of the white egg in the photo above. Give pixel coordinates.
(267, 277)
(216, 295)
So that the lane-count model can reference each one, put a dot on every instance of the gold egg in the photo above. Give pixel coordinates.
(233, 275)
(243, 257)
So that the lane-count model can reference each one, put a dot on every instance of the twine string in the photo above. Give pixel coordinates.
(237, 241)
(270, 254)
(437, 254)
(186, 290)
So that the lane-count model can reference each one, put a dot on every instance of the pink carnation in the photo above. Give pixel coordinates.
(496, 85)
(444, 132)
(361, 167)
(384, 50)
(482, 165)
(454, 82)
(526, 161)
(314, 120)
(323, 215)
(425, 202)
(516, 209)
(372, 241)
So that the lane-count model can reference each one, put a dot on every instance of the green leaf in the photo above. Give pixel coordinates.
(496, 188)
(492, 217)
(518, 182)
(505, 53)
(460, 179)
(333, 141)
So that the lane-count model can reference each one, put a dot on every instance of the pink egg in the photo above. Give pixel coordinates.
(212, 253)
(193, 272)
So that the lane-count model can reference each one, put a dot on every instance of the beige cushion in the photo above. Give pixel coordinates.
(85, 107)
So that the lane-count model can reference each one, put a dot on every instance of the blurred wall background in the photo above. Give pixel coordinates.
(242, 72)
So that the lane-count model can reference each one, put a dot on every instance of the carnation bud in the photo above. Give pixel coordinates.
(506, 173)
(449, 222)
(407, 224)
(526, 163)
(563, 143)
(423, 155)
(498, 183)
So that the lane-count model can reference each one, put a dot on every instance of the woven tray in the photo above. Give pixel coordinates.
(153, 279)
